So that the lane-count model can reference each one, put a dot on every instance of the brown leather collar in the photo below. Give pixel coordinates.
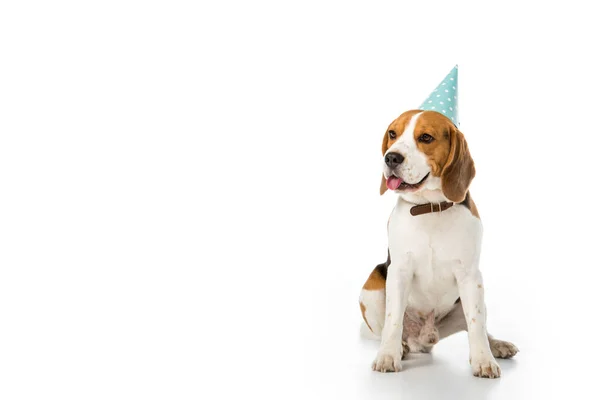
(430, 207)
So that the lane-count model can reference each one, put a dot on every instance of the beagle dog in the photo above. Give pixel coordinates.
(430, 287)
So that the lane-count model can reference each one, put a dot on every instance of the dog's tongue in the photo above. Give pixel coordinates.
(393, 183)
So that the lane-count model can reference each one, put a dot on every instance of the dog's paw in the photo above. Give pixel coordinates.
(387, 361)
(485, 367)
(405, 349)
(502, 349)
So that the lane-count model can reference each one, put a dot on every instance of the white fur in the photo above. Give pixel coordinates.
(434, 260)
(374, 313)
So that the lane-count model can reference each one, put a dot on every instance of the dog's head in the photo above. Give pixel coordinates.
(424, 151)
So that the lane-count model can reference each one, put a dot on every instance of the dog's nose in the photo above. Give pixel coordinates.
(392, 160)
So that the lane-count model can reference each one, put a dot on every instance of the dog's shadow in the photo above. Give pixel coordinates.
(426, 377)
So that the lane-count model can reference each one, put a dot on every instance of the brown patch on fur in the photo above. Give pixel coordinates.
(383, 185)
(459, 170)
(398, 126)
(440, 127)
(376, 280)
(448, 154)
(473, 320)
(470, 204)
(479, 286)
(362, 311)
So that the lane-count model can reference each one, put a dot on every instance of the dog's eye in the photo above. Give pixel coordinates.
(425, 138)
(392, 134)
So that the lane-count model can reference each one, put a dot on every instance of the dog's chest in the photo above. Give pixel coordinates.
(434, 285)
(435, 245)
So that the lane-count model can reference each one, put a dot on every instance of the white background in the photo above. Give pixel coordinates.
(189, 194)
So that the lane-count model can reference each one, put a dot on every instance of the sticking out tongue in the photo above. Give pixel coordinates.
(393, 183)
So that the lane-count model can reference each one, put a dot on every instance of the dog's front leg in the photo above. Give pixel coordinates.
(397, 286)
(470, 288)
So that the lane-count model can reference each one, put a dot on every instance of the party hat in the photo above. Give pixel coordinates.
(444, 99)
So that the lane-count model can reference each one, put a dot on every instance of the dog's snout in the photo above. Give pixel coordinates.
(392, 160)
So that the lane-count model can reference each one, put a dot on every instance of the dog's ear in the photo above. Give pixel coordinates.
(459, 170)
(384, 147)
(383, 185)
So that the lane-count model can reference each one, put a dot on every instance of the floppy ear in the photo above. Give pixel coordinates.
(384, 147)
(383, 185)
(459, 169)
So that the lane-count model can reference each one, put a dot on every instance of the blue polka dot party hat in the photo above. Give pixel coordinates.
(444, 99)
